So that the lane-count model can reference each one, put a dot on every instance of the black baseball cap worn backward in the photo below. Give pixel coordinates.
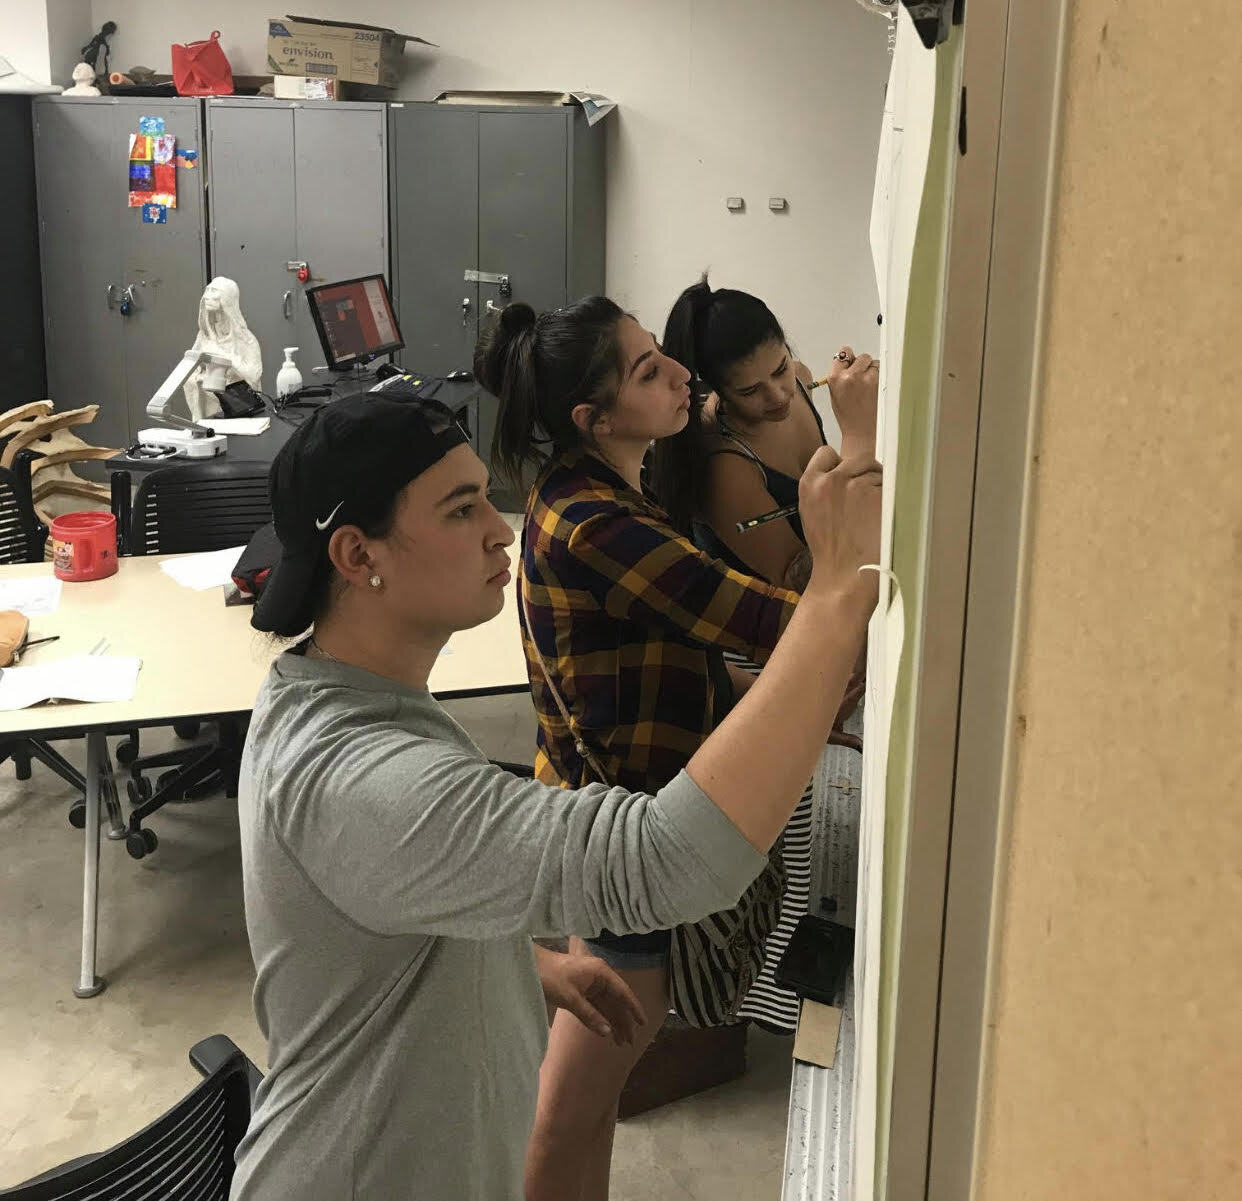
(344, 465)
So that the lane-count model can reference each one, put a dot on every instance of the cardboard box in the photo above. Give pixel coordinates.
(309, 87)
(335, 49)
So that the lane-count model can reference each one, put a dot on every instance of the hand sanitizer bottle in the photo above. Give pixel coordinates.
(288, 378)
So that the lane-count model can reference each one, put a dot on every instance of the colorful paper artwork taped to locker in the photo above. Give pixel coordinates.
(152, 172)
(151, 125)
(141, 173)
(154, 214)
(141, 184)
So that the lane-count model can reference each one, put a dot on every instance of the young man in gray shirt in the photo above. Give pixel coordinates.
(394, 878)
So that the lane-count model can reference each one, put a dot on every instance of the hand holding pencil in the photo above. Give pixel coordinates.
(854, 382)
(844, 355)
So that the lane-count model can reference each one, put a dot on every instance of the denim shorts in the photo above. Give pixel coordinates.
(631, 952)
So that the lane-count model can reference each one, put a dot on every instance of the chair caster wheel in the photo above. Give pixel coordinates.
(127, 751)
(187, 731)
(140, 843)
(77, 815)
(139, 790)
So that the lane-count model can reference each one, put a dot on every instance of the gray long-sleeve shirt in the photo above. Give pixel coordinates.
(393, 878)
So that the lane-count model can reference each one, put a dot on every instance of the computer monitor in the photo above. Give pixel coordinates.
(354, 320)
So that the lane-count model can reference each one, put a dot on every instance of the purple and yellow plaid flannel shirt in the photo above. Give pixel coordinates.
(628, 614)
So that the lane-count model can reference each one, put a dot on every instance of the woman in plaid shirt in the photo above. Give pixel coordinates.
(631, 619)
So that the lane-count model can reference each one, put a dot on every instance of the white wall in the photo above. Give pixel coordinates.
(716, 98)
(43, 39)
(23, 38)
(69, 28)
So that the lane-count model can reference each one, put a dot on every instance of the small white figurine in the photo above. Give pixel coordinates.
(222, 330)
(83, 81)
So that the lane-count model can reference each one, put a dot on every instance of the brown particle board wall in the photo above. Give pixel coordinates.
(1115, 1063)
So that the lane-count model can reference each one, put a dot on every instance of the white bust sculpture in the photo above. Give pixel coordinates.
(222, 330)
(83, 81)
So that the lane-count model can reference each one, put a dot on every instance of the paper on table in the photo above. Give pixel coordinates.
(212, 569)
(94, 678)
(34, 598)
(246, 426)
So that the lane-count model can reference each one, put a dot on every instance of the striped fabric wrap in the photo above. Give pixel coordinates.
(713, 963)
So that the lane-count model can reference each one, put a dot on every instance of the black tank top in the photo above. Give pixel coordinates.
(781, 487)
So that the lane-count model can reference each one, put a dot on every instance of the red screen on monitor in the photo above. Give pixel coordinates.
(355, 320)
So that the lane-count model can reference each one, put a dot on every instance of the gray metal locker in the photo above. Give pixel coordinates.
(523, 201)
(434, 176)
(293, 182)
(252, 199)
(489, 205)
(120, 296)
(513, 191)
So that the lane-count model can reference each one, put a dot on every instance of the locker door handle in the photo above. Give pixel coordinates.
(287, 305)
(110, 293)
(465, 310)
(492, 308)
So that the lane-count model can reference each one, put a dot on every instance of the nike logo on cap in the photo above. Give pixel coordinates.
(327, 521)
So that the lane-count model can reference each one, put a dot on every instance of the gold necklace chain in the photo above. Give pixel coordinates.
(320, 652)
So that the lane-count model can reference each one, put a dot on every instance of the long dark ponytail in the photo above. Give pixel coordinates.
(541, 368)
(706, 332)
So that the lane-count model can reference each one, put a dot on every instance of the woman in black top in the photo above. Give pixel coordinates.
(752, 429)
(751, 433)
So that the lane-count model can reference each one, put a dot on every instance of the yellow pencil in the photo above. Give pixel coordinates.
(819, 383)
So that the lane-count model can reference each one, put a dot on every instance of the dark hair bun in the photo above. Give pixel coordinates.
(516, 318)
(699, 296)
(505, 333)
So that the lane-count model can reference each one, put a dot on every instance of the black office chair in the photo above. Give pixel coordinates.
(188, 508)
(203, 506)
(185, 1155)
(22, 538)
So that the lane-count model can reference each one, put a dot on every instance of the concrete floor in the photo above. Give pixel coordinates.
(81, 1075)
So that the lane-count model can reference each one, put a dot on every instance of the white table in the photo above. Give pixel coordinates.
(200, 660)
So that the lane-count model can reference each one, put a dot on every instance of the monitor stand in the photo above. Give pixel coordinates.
(331, 384)
(358, 378)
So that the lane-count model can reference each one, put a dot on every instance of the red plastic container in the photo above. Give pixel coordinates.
(84, 546)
